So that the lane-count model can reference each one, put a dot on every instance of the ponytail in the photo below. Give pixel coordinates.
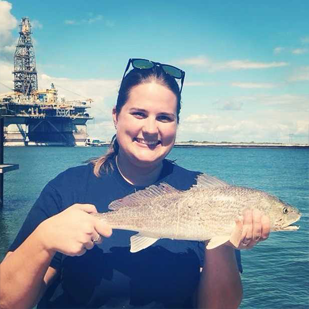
(105, 162)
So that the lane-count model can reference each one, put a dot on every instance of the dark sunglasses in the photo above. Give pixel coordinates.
(144, 64)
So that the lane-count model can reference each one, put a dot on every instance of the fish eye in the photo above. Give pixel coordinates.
(285, 210)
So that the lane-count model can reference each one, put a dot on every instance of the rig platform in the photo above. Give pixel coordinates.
(38, 117)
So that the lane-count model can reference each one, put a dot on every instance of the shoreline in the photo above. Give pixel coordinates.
(180, 145)
(241, 145)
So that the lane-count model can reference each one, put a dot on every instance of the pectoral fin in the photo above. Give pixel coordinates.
(140, 242)
(217, 241)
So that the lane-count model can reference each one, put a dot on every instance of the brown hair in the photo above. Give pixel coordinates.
(134, 78)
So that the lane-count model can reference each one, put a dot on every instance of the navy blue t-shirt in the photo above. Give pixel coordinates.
(165, 275)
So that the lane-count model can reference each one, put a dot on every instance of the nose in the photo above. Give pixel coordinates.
(150, 126)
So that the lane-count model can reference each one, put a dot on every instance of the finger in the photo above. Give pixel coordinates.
(89, 208)
(89, 245)
(265, 222)
(81, 252)
(99, 241)
(102, 228)
(96, 239)
(257, 225)
(247, 228)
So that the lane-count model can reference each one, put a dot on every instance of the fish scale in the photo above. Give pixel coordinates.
(158, 214)
(207, 211)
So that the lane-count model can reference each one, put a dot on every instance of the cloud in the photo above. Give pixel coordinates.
(7, 23)
(301, 128)
(6, 76)
(197, 61)
(218, 128)
(253, 85)
(299, 51)
(300, 74)
(278, 50)
(200, 84)
(247, 64)
(91, 19)
(197, 118)
(267, 118)
(203, 62)
(229, 105)
(96, 89)
(264, 126)
(285, 101)
(305, 40)
(294, 51)
(109, 23)
(102, 92)
(36, 24)
(70, 22)
(7, 20)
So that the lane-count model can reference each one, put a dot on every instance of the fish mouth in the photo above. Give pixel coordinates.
(291, 226)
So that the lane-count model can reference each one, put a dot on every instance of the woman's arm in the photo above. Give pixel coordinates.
(220, 285)
(25, 273)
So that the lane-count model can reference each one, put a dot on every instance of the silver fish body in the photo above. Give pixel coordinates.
(207, 211)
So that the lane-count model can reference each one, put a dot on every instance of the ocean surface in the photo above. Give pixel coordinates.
(276, 272)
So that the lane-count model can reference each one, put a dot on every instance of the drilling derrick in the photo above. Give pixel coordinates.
(25, 74)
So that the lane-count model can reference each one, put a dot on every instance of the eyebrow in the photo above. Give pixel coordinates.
(135, 109)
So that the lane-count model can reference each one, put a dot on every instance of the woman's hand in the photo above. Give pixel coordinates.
(250, 229)
(73, 231)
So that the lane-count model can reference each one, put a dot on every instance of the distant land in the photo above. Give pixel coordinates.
(239, 144)
(193, 143)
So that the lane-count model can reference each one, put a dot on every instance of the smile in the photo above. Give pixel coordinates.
(145, 142)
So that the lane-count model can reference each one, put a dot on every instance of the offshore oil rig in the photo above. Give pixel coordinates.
(38, 117)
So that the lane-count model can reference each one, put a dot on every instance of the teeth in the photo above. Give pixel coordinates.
(150, 143)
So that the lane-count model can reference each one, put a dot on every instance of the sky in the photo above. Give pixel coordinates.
(246, 62)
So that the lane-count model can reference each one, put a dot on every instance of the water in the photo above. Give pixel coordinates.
(276, 272)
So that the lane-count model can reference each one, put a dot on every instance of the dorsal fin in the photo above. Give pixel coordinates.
(142, 196)
(207, 181)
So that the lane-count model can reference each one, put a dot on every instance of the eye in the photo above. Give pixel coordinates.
(165, 118)
(285, 210)
(139, 115)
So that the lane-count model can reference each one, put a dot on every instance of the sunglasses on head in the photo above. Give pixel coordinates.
(144, 64)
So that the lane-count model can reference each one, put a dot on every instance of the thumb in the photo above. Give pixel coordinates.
(89, 208)
(236, 236)
(102, 227)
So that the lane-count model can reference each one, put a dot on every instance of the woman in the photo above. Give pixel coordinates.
(63, 257)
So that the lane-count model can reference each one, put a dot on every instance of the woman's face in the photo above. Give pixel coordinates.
(146, 125)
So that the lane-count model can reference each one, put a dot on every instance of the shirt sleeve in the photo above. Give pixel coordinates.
(238, 259)
(47, 205)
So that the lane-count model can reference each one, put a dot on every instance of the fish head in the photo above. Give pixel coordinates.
(283, 215)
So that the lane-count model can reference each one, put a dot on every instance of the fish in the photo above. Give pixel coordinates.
(205, 212)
